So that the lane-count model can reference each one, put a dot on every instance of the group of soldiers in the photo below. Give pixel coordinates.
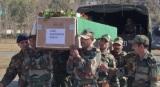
(104, 66)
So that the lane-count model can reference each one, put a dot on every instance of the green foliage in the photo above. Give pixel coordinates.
(49, 13)
(17, 13)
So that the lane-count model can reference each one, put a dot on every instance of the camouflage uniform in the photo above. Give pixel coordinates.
(59, 68)
(130, 67)
(32, 68)
(119, 58)
(40, 69)
(120, 62)
(83, 69)
(145, 71)
(156, 73)
(109, 59)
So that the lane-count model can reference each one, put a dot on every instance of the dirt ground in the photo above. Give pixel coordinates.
(8, 47)
(4, 62)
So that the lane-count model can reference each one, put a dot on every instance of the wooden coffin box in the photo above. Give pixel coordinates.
(55, 32)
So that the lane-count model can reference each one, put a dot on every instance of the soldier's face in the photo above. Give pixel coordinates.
(117, 47)
(86, 42)
(32, 42)
(103, 44)
(23, 44)
(136, 48)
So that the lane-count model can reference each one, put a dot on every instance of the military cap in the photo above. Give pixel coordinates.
(86, 34)
(118, 40)
(106, 37)
(22, 37)
(141, 39)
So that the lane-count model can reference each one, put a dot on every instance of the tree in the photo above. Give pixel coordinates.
(20, 14)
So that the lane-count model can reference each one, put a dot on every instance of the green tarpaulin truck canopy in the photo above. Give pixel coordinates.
(97, 28)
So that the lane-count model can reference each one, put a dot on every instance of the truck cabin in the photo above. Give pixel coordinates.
(130, 20)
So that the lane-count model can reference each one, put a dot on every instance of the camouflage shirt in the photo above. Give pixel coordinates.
(108, 60)
(156, 72)
(33, 69)
(86, 66)
(130, 59)
(120, 62)
(60, 61)
(145, 71)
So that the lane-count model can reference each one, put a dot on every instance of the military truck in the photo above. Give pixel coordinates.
(156, 37)
(130, 20)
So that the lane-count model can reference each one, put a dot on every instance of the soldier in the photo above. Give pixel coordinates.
(108, 59)
(15, 66)
(60, 58)
(83, 63)
(130, 67)
(31, 65)
(39, 74)
(119, 54)
(145, 74)
(32, 41)
(130, 27)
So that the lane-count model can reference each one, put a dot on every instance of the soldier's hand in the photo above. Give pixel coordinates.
(1, 85)
(103, 68)
(74, 52)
